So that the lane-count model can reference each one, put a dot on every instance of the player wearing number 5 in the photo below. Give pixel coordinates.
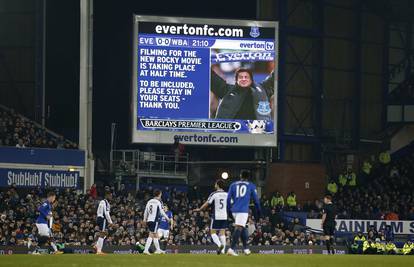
(218, 202)
(238, 201)
(153, 210)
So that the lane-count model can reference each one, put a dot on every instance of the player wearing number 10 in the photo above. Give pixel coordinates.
(238, 201)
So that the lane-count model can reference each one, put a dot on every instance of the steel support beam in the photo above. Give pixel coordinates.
(85, 89)
(356, 101)
(385, 73)
(40, 64)
(315, 76)
(282, 76)
(318, 85)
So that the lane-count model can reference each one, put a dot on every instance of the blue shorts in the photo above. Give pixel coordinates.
(219, 224)
(101, 221)
(153, 227)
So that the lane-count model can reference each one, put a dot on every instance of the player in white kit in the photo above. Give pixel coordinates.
(153, 210)
(103, 218)
(218, 202)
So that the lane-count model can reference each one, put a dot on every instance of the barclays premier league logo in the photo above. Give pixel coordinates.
(256, 126)
(254, 32)
(263, 108)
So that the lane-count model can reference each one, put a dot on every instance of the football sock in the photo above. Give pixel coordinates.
(157, 244)
(328, 245)
(223, 240)
(99, 244)
(235, 238)
(216, 239)
(148, 244)
(53, 245)
(164, 244)
(244, 237)
(331, 241)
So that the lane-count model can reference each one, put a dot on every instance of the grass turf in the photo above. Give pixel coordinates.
(184, 260)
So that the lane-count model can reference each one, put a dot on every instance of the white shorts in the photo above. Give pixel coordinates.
(240, 218)
(43, 229)
(162, 233)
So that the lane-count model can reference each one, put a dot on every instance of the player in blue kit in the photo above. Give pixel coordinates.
(218, 203)
(44, 223)
(164, 227)
(238, 201)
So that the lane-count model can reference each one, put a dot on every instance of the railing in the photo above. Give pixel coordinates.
(135, 162)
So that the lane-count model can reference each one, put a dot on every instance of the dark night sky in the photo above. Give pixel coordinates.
(112, 61)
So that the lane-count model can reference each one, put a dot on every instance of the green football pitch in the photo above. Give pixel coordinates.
(184, 260)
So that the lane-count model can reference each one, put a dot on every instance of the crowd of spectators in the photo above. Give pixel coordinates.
(385, 194)
(75, 220)
(15, 130)
(380, 192)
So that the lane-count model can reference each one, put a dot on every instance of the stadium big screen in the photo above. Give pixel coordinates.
(204, 81)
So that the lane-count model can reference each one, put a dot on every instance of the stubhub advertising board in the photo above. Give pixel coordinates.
(204, 81)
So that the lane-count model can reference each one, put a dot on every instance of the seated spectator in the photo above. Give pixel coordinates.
(369, 247)
(277, 201)
(351, 177)
(357, 245)
(372, 233)
(366, 167)
(274, 218)
(381, 246)
(384, 157)
(408, 248)
(93, 192)
(332, 187)
(291, 201)
(20, 144)
(295, 226)
(394, 173)
(359, 238)
(390, 248)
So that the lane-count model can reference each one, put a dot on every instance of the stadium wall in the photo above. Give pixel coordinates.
(41, 167)
(8, 250)
(307, 180)
(403, 138)
(354, 226)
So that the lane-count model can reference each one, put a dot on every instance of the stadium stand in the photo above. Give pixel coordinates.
(17, 130)
(386, 194)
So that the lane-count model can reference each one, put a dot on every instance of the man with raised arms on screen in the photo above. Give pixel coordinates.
(244, 100)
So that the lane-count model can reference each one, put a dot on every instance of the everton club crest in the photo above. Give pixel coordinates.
(263, 108)
(254, 32)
